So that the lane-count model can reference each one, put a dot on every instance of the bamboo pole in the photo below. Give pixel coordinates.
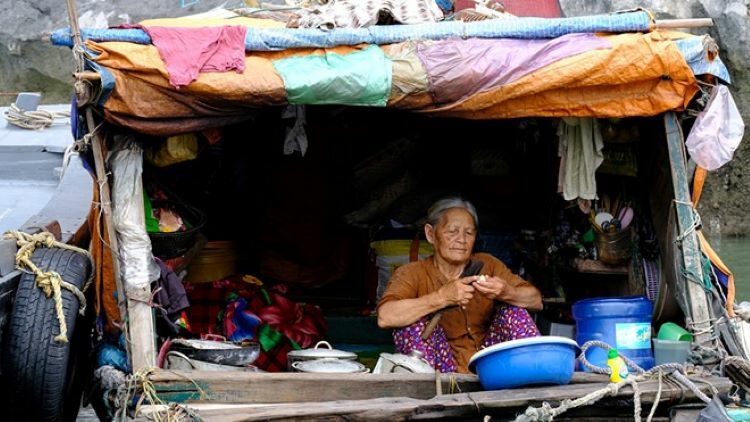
(683, 23)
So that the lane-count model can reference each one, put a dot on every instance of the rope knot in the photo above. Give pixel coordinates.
(48, 282)
(51, 282)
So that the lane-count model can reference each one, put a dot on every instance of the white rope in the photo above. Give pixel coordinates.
(36, 120)
(547, 413)
(656, 399)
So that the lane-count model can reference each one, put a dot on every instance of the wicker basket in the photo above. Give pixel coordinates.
(174, 244)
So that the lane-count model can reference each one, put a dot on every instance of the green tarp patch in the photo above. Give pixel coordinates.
(360, 78)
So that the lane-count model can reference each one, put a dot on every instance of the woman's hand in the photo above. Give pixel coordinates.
(492, 287)
(458, 292)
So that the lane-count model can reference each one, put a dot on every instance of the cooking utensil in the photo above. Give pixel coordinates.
(329, 366)
(178, 361)
(474, 267)
(612, 226)
(396, 362)
(322, 350)
(627, 217)
(602, 217)
(594, 224)
(218, 352)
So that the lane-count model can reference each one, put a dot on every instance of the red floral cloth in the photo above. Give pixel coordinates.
(284, 325)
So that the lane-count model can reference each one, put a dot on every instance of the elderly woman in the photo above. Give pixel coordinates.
(477, 310)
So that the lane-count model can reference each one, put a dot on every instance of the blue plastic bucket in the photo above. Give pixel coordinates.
(623, 323)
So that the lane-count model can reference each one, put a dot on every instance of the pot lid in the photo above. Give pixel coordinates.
(319, 352)
(520, 343)
(329, 366)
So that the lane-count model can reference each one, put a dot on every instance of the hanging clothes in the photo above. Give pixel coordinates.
(296, 137)
(189, 51)
(580, 152)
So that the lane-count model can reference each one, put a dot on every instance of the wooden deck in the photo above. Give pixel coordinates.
(251, 397)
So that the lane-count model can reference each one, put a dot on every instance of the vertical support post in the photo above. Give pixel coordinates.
(133, 301)
(699, 313)
(134, 306)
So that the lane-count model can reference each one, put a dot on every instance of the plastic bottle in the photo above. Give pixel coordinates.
(617, 365)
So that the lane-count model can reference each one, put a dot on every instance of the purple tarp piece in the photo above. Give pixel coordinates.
(458, 68)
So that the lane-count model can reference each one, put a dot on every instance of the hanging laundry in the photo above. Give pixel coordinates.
(171, 300)
(188, 51)
(296, 137)
(364, 13)
(580, 152)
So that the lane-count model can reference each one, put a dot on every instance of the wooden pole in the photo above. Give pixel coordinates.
(683, 23)
(135, 310)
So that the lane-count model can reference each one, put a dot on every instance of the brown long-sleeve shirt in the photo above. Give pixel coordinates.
(464, 329)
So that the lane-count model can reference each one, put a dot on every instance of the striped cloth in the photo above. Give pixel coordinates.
(365, 13)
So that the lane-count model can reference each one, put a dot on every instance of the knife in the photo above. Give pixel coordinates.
(474, 267)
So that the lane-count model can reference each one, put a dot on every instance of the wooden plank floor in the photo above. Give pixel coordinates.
(340, 396)
(248, 387)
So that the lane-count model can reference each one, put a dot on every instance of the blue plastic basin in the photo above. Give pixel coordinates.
(528, 361)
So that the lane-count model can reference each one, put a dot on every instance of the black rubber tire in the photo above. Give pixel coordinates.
(38, 369)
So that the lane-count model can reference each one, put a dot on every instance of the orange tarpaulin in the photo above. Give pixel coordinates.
(640, 75)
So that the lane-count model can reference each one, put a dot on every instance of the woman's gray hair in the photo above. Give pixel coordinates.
(436, 211)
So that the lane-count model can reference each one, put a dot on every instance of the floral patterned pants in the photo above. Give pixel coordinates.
(508, 323)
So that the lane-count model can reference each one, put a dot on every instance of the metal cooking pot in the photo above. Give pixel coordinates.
(329, 366)
(318, 352)
(218, 352)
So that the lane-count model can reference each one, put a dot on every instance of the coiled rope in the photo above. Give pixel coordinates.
(678, 372)
(50, 282)
(139, 385)
(36, 120)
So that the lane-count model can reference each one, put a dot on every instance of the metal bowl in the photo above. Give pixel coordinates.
(218, 352)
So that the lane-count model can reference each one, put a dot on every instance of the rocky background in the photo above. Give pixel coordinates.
(28, 64)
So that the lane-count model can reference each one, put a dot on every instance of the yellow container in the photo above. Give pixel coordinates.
(217, 260)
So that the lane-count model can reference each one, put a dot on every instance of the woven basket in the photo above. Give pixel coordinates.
(174, 244)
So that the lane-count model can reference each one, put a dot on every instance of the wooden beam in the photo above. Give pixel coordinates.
(252, 387)
(88, 76)
(683, 23)
(699, 315)
(105, 203)
(505, 403)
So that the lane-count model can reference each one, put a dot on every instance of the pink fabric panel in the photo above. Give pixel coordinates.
(458, 68)
(189, 51)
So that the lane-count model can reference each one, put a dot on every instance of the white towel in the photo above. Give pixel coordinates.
(580, 152)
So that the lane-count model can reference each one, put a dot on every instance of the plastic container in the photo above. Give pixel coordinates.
(671, 351)
(673, 332)
(218, 259)
(613, 248)
(392, 254)
(527, 361)
(623, 323)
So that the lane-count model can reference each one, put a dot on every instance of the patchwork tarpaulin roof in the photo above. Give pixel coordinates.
(480, 70)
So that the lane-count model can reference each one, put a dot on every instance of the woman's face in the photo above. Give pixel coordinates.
(453, 238)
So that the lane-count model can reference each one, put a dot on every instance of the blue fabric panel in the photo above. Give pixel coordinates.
(695, 55)
(268, 39)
